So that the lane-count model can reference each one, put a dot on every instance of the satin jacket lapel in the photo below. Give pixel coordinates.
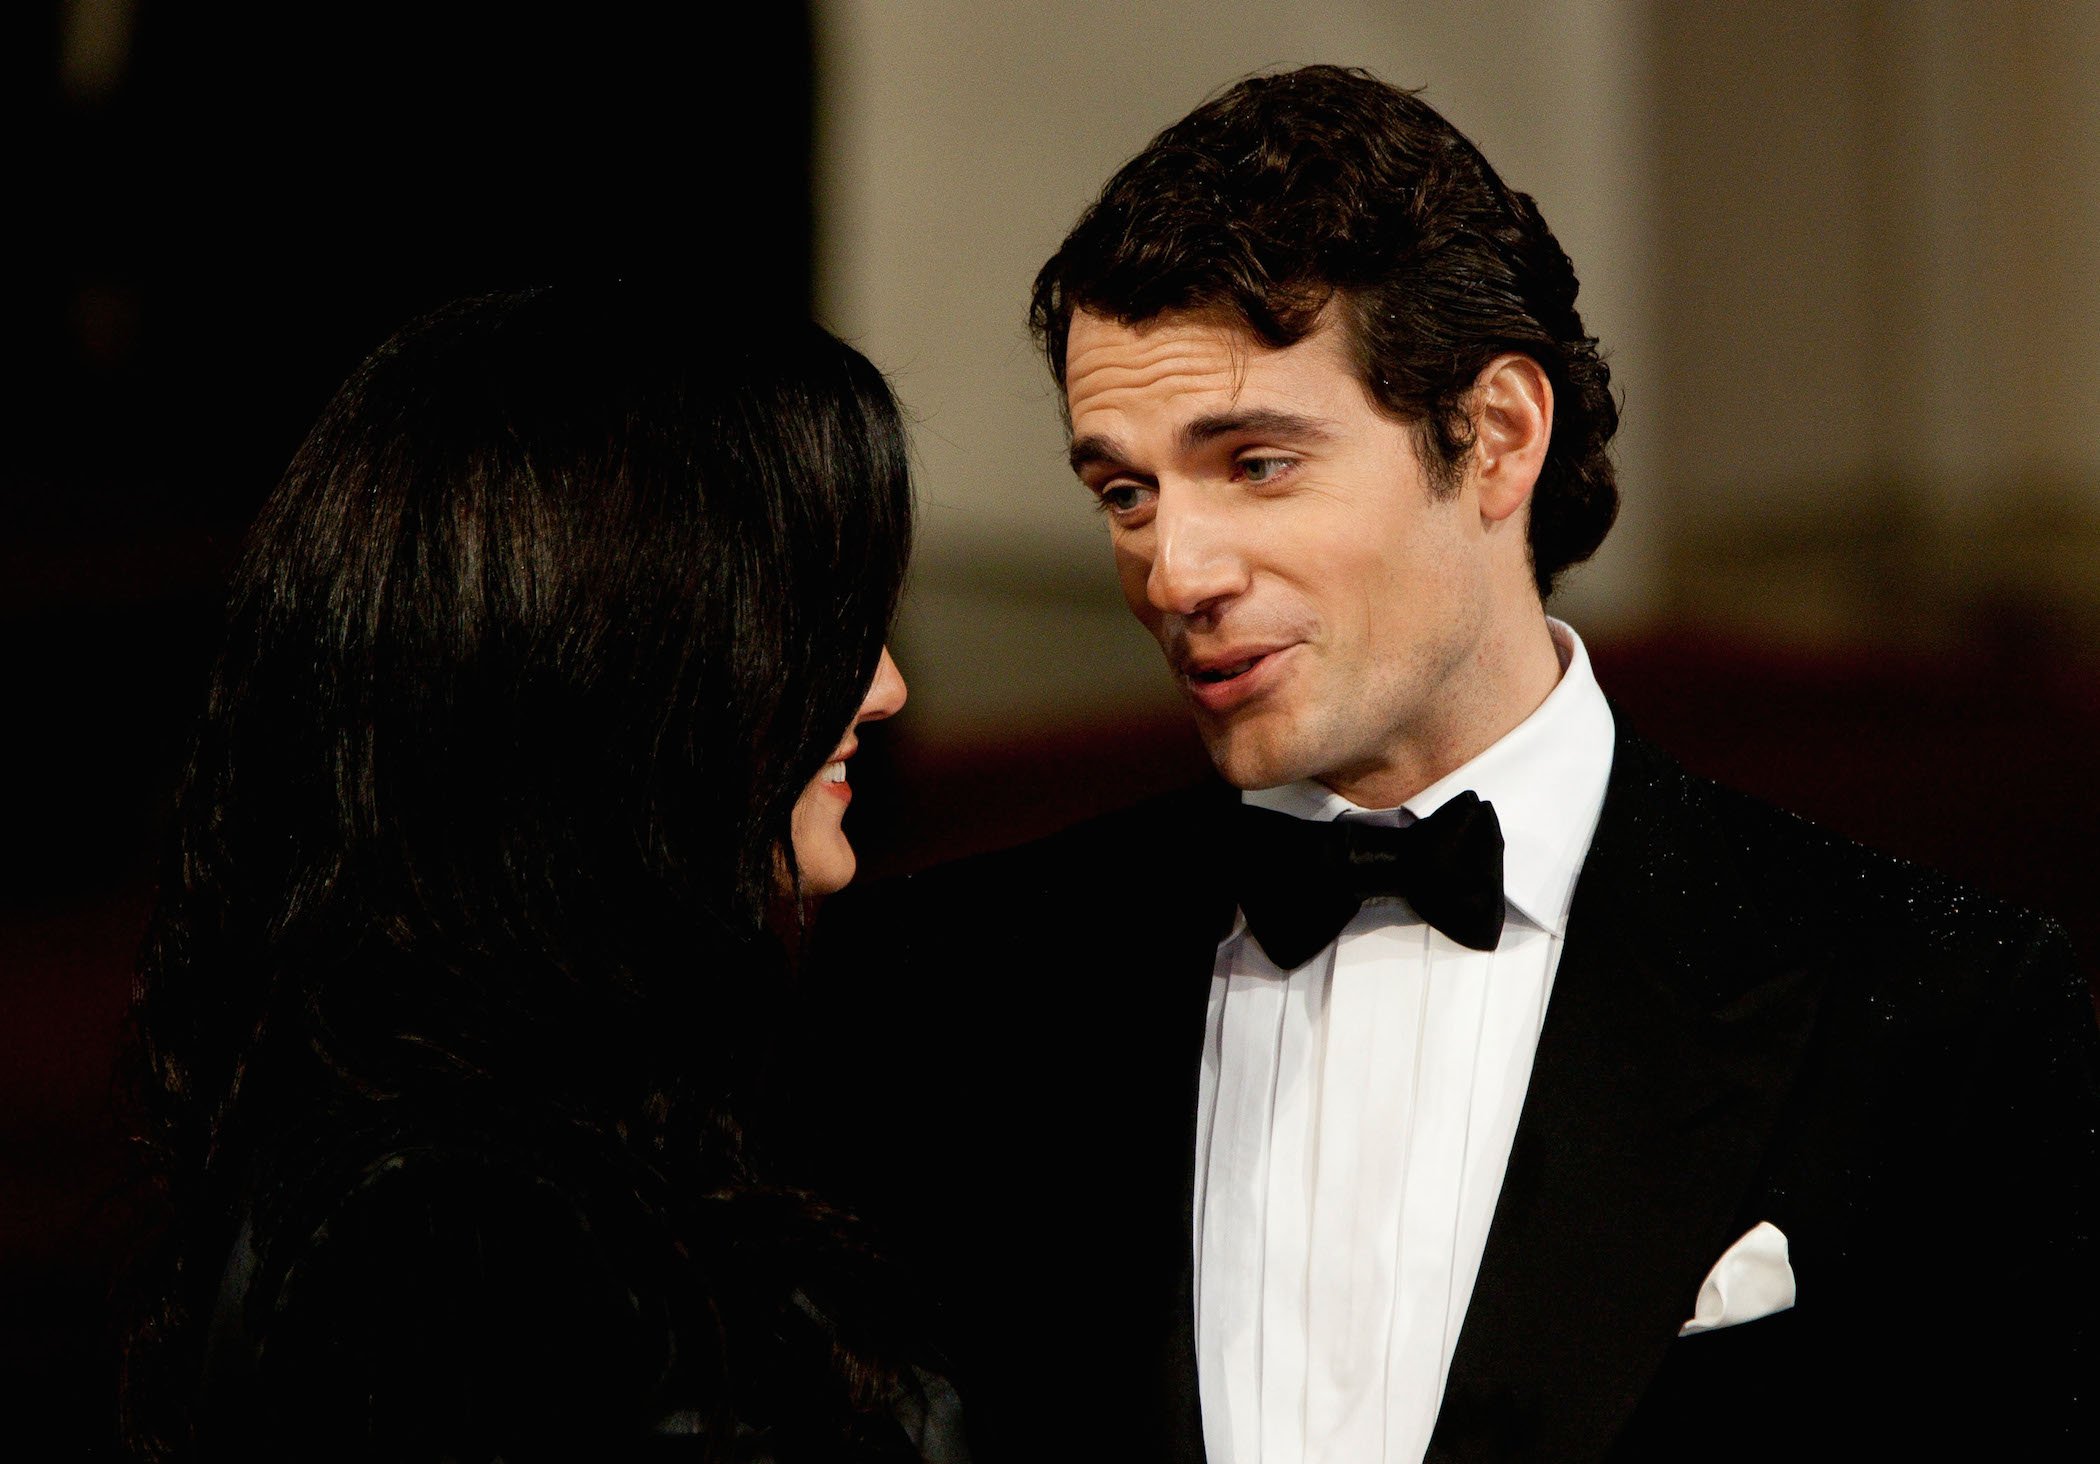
(1674, 1030)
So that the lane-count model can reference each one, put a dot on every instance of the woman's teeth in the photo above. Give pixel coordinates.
(833, 773)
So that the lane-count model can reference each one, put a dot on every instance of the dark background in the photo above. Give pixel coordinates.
(211, 230)
(214, 228)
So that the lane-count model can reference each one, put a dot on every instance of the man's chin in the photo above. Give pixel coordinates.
(1251, 763)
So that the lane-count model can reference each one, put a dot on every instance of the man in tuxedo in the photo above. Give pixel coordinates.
(1465, 1080)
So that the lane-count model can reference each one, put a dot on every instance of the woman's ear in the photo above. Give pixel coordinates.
(1513, 423)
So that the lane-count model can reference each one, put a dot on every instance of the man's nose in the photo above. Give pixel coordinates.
(1196, 563)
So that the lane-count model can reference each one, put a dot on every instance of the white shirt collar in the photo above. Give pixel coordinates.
(1545, 777)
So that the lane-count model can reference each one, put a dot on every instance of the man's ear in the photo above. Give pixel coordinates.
(1512, 424)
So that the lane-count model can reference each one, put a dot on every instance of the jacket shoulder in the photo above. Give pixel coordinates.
(1812, 880)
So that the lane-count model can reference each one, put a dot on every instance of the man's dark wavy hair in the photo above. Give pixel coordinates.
(1287, 193)
(564, 600)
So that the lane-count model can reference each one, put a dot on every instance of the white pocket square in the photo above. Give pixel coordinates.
(1751, 1280)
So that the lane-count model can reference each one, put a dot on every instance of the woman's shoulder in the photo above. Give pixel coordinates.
(464, 1289)
(432, 1289)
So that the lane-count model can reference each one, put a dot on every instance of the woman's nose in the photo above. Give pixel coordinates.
(886, 694)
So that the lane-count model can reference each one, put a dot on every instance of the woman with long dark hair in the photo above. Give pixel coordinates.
(525, 739)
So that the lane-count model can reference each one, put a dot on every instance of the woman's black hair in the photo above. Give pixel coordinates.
(564, 600)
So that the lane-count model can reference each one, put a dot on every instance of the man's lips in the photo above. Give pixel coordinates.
(1222, 679)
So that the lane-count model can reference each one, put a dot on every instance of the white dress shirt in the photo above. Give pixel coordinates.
(1355, 1116)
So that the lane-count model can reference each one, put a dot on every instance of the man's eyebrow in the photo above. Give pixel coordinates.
(1259, 421)
(1093, 450)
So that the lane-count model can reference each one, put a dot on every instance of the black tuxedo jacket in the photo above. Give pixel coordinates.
(1752, 1020)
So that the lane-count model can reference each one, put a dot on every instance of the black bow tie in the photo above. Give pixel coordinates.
(1300, 882)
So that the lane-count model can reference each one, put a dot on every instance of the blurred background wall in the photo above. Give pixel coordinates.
(1845, 258)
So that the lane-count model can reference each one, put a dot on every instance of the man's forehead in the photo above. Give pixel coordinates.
(1105, 355)
(1179, 355)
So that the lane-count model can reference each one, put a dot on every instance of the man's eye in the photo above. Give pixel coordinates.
(1262, 469)
(1121, 498)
